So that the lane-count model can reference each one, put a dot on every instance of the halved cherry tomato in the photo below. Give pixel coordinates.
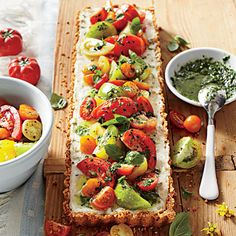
(177, 119)
(88, 79)
(3, 102)
(53, 228)
(121, 230)
(87, 107)
(104, 199)
(117, 82)
(10, 119)
(129, 10)
(142, 85)
(130, 89)
(144, 123)
(117, 49)
(192, 123)
(4, 133)
(125, 169)
(121, 105)
(148, 182)
(103, 80)
(27, 112)
(121, 20)
(144, 104)
(87, 144)
(128, 70)
(137, 140)
(91, 187)
(101, 15)
(99, 168)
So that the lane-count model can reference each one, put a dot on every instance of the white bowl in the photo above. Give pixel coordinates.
(16, 171)
(191, 55)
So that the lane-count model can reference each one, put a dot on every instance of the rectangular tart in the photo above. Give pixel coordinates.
(81, 212)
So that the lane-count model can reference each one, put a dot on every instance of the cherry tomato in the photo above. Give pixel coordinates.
(91, 187)
(192, 123)
(3, 102)
(121, 105)
(142, 85)
(121, 230)
(10, 119)
(121, 20)
(137, 140)
(144, 104)
(11, 42)
(25, 68)
(27, 112)
(53, 228)
(125, 169)
(148, 182)
(88, 79)
(117, 82)
(101, 15)
(87, 107)
(87, 144)
(4, 133)
(103, 80)
(144, 123)
(130, 89)
(128, 70)
(96, 167)
(104, 199)
(177, 119)
(129, 10)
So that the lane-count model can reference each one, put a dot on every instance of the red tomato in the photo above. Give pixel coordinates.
(177, 119)
(27, 112)
(121, 20)
(112, 39)
(53, 228)
(117, 49)
(192, 123)
(129, 11)
(4, 133)
(137, 140)
(103, 233)
(101, 15)
(3, 102)
(103, 80)
(125, 169)
(149, 182)
(10, 119)
(104, 199)
(25, 68)
(144, 123)
(121, 105)
(144, 104)
(87, 107)
(10, 42)
(117, 82)
(96, 167)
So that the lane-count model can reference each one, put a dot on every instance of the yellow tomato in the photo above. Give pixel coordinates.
(7, 150)
(104, 64)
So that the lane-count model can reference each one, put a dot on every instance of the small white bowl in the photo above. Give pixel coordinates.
(191, 55)
(16, 171)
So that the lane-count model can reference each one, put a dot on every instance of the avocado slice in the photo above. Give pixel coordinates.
(101, 30)
(128, 198)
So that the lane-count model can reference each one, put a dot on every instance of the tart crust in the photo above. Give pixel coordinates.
(139, 218)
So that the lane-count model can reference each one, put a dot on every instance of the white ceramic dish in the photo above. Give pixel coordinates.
(191, 55)
(15, 172)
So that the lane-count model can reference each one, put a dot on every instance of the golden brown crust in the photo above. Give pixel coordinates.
(140, 218)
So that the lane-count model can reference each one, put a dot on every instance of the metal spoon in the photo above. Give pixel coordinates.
(212, 99)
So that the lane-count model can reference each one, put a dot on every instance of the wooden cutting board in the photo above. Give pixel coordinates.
(202, 23)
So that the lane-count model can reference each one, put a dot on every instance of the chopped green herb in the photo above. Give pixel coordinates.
(82, 130)
(114, 167)
(58, 102)
(107, 178)
(84, 200)
(97, 76)
(226, 58)
(93, 173)
(147, 182)
(119, 16)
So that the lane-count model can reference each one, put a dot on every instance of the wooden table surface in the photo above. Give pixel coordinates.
(210, 23)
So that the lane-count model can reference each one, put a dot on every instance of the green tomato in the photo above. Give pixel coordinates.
(32, 129)
(115, 72)
(186, 153)
(109, 90)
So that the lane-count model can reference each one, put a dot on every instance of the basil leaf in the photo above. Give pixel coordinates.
(185, 193)
(180, 40)
(173, 46)
(58, 102)
(135, 25)
(180, 226)
(134, 158)
(114, 152)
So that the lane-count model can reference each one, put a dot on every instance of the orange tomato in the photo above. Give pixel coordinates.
(91, 187)
(88, 79)
(87, 144)
(131, 89)
(128, 70)
(4, 133)
(192, 123)
(142, 85)
(27, 112)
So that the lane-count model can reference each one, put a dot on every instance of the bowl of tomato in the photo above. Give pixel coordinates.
(26, 120)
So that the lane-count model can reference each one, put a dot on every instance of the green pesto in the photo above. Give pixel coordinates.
(197, 74)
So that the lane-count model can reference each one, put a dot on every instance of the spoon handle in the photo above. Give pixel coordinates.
(209, 187)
